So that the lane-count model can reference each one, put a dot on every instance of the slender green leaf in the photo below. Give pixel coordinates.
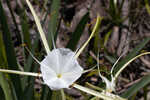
(56, 95)
(4, 84)
(106, 38)
(46, 93)
(78, 32)
(136, 87)
(18, 35)
(132, 54)
(29, 89)
(110, 58)
(95, 29)
(25, 29)
(2, 93)
(10, 53)
(6, 87)
(53, 22)
(147, 6)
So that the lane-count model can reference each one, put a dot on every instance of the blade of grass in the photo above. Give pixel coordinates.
(10, 53)
(132, 54)
(126, 64)
(46, 93)
(56, 95)
(2, 93)
(5, 87)
(106, 38)
(25, 29)
(78, 32)
(4, 84)
(29, 89)
(53, 22)
(15, 22)
(147, 6)
(136, 87)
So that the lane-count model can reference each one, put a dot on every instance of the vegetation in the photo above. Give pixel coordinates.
(110, 40)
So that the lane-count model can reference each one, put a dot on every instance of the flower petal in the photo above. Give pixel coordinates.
(57, 83)
(72, 76)
(47, 73)
(51, 60)
(60, 62)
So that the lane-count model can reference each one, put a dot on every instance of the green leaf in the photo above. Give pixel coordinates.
(106, 38)
(4, 84)
(46, 93)
(147, 6)
(56, 95)
(18, 35)
(136, 87)
(10, 53)
(6, 87)
(53, 22)
(25, 29)
(132, 54)
(95, 29)
(78, 32)
(28, 82)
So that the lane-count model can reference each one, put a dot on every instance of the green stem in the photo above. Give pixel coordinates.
(126, 64)
(20, 72)
(63, 94)
(103, 95)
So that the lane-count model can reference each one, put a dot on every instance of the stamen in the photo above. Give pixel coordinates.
(59, 75)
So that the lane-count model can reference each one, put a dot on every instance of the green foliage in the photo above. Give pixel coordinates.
(10, 53)
(78, 32)
(132, 54)
(54, 21)
(15, 87)
(136, 87)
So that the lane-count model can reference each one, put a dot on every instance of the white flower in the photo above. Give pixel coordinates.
(60, 68)
(110, 85)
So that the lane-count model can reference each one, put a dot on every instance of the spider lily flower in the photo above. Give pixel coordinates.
(110, 85)
(60, 67)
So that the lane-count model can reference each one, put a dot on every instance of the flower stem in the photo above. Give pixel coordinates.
(63, 94)
(21, 72)
(103, 95)
(126, 64)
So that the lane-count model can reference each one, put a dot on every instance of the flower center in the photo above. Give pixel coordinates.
(59, 75)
